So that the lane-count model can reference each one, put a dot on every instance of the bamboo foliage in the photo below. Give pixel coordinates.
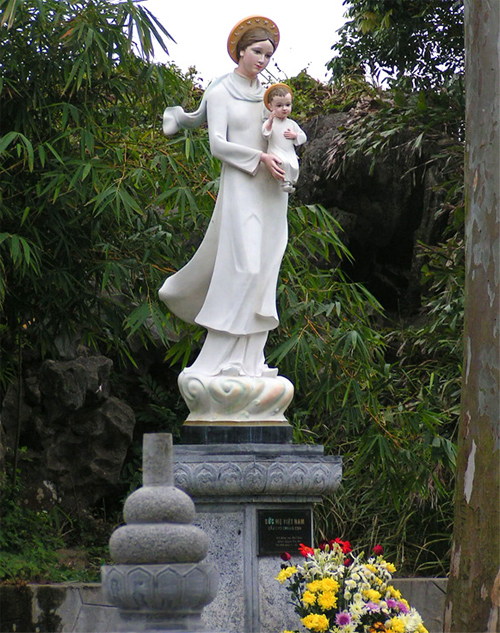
(97, 208)
(91, 195)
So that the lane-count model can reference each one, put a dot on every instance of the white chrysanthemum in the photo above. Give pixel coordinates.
(357, 609)
(355, 577)
(411, 620)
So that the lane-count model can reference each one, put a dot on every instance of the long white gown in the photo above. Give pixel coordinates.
(229, 286)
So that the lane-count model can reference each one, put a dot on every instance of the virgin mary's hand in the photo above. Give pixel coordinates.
(273, 163)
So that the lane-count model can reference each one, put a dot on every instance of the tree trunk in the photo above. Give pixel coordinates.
(473, 598)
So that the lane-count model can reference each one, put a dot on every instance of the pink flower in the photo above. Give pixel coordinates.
(342, 618)
(378, 550)
(285, 556)
(306, 550)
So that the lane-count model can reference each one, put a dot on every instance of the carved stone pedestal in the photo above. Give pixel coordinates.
(234, 487)
(160, 597)
(236, 409)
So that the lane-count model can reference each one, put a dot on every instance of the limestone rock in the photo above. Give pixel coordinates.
(73, 384)
(384, 206)
(76, 434)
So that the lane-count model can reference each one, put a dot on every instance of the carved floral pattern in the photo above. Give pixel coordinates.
(314, 476)
(160, 587)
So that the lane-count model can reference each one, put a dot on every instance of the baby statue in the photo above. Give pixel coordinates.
(282, 133)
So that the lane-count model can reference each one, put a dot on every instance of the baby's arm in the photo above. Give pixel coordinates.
(268, 125)
(297, 135)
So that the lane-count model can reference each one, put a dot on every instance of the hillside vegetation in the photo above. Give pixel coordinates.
(97, 207)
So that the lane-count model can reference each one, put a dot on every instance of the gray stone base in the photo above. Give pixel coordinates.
(82, 608)
(230, 484)
(160, 597)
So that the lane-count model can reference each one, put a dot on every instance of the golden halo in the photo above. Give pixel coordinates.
(266, 94)
(252, 22)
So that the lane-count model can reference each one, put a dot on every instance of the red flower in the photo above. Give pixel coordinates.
(378, 550)
(322, 544)
(347, 562)
(305, 550)
(285, 556)
(345, 546)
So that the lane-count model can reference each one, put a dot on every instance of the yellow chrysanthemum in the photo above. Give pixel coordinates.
(371, 568)
(405, 602)
(308, 598)
(390, 567)
(396, 625)
(372, 594)
(421, 629)
(327, 600)
(314, 586)
(315, 622)
(286, 573)
(395, 593)
(329, 584)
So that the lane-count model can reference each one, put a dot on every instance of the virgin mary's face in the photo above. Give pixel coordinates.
(255, 58)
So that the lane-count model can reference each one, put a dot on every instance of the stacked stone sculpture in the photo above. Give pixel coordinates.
(159, 582)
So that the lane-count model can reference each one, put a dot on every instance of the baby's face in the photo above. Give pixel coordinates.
(281, 106)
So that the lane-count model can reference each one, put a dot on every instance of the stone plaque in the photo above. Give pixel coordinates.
(283, 531)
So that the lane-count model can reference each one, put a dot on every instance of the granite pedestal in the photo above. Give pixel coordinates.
(234, 486)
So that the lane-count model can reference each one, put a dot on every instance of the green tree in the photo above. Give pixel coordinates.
(473, 596)
(418, 42)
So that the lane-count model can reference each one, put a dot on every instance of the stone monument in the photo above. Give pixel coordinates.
(253, 489)
(159, 582)
(254, 501)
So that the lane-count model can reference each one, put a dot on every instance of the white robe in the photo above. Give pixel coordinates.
(229, 285)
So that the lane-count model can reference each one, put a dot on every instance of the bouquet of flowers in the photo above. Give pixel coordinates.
(335, 591)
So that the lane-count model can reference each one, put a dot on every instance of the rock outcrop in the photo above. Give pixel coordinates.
(384, 205)
(76, 434)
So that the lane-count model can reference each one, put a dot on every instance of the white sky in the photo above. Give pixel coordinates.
(201, 27)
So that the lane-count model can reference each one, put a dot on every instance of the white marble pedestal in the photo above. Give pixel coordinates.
(229, 484)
